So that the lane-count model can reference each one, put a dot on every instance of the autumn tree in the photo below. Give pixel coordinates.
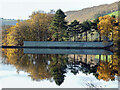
(107, 27)
(34, 29)
(40, 24)
(4, 34)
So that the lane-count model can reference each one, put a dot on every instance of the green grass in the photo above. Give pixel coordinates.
(103, 57)
(114, 13)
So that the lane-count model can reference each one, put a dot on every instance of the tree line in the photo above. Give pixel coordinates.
(53, 27)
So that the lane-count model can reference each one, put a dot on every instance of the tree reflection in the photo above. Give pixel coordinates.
(53, 67)
(38, 66)
(35, 65)
(109, 69)
(58, 68)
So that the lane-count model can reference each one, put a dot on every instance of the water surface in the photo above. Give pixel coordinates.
(30, 69)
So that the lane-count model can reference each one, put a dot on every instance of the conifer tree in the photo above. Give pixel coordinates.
(59, 26)
(73, 29)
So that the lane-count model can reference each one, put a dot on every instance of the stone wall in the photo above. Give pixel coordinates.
(66, 44)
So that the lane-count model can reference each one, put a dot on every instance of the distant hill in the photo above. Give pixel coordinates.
(8, 21)
(92, 12)
(82, 15)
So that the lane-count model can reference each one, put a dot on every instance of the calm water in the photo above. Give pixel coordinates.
(30, 68)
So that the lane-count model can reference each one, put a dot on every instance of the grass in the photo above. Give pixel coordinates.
(115, 13)
(103, 57)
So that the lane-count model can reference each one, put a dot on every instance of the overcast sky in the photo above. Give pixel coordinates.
(21, 9)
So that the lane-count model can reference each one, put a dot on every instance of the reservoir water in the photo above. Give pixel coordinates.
(60, 68)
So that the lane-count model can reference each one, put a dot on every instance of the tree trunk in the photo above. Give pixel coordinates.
(86, 59)
(74, 59)
(69, 37)
(86, 36)
(57, 35)
(112, 36)
(77, 36)
(99, 58)
(99, 37)
(91, 37)
(74, 37)
(106, 59)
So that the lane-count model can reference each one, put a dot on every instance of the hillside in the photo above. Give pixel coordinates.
(81, 15)
(92, 12)
(115, 13)
(8, 21)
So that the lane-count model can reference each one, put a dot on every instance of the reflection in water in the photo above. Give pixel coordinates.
(54, 66)
(67, 51)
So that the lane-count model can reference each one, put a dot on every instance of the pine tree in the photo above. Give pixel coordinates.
(86, 26)
(59, 26)
(74, 28)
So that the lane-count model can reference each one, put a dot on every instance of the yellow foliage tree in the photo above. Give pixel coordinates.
(34, 29)
(107, 27)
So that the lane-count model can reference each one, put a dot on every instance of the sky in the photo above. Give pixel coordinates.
(22, 9)
(9, 79)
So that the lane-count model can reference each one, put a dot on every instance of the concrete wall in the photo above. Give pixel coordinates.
(66, 44)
